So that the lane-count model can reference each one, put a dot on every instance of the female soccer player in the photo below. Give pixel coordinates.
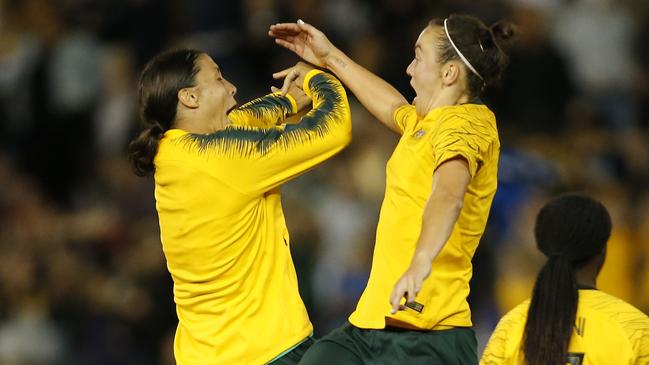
(217, 174)
(441, 180)
(569, 321)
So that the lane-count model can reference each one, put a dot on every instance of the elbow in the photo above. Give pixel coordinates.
(347, 139)
(346, 125)
(456, 203)
(449, 203)
(453, 205)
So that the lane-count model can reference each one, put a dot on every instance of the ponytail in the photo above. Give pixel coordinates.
(551, 314)
(570, 230)
(504, 33)
(143, 149)
(158, 88)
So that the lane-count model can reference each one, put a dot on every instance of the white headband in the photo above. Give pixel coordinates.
(466, 62)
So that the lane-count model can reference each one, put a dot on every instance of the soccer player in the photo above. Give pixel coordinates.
(441, 180)
(217, 173)
(567, 320)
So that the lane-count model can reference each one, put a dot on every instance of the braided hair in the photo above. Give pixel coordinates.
(570, 230)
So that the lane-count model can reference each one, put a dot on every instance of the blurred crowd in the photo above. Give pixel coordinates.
(82, 275)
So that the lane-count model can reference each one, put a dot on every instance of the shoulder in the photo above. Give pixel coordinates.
(406, 110)
(472, 118)
(405, 115)
(609, 304)
(630, 319)
(469, 127)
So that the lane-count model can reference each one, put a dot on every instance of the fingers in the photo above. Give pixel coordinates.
(273, 89)
(305, 27)
(407, 287)
(282, 74)
(399, 292)
(290, 75)
(395, 299)
(280, 33)
(288, 81)
(292, 29)
(286, 28)
(411, 290)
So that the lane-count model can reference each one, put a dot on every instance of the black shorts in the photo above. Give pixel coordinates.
(293, 357)
(353, 345)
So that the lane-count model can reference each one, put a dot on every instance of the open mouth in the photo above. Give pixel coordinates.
(234, 106)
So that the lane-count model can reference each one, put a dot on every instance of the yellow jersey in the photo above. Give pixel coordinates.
(607, 331)
(222, 227)
(468, 131)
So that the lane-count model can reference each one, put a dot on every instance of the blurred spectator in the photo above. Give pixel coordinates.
(537, 88)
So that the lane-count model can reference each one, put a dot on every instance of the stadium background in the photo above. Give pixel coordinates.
(82, 276)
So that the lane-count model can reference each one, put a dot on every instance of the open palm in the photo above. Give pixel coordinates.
(305, 40)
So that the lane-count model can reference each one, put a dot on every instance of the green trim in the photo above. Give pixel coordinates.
(291, 348)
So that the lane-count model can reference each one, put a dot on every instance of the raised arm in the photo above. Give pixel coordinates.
(264, 112)
(264, 158)
(288, 151)
(273, 109)
(376, 95)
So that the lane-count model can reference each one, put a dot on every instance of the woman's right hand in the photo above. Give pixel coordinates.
(305, 40)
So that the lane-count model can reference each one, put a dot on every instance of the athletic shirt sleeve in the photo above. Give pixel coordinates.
(459, 135)
(405, 118)
(264, 112)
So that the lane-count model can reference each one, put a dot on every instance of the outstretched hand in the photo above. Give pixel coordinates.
(410, 283)
(304, 39)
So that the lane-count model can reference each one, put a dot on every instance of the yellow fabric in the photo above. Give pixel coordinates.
(607, 331)
(468, 131)
(264, 112)
(223, 230)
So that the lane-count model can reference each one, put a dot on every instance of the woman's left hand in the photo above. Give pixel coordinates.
(293, 79)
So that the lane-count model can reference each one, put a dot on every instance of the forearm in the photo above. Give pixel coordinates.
(440, 214)
(376, 95)
(281, 154)
(265, 112)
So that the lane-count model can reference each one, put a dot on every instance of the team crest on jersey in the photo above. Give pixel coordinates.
(419, 133)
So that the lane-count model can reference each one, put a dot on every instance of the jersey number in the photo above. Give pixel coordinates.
(575, 358)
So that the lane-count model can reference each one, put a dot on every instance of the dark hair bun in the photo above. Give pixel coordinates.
(504, 33)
